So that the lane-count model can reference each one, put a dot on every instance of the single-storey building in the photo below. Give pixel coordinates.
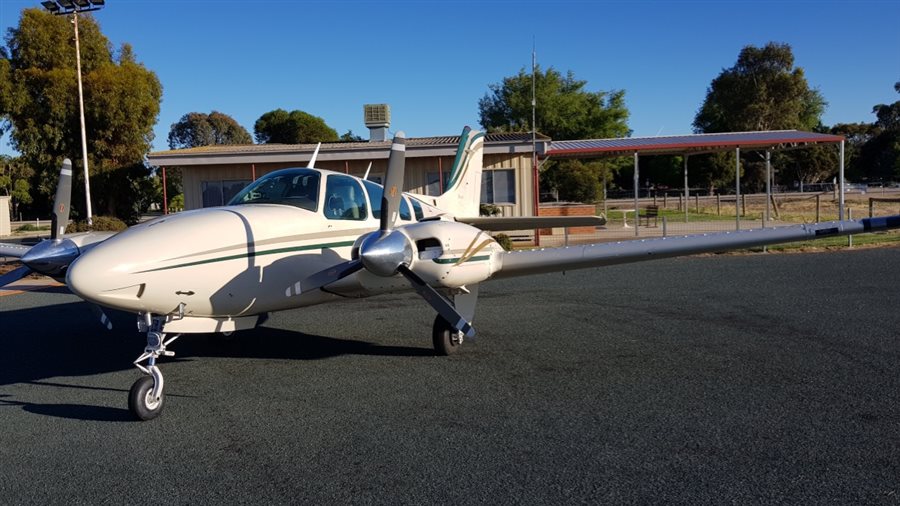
(213, 174)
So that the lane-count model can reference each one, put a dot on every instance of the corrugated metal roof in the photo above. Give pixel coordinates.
(685, 144)
(450, 140)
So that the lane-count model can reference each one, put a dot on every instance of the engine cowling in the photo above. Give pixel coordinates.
(452, 254)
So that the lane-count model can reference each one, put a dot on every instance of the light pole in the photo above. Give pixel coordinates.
(73, 7)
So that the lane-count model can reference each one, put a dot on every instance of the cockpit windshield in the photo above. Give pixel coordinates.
(292, 187)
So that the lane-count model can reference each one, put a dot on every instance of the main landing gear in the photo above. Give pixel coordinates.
(146, 398)
(447, 339)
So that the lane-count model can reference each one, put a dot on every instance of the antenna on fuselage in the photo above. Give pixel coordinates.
(312, 161)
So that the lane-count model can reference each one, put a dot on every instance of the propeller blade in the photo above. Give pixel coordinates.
(104, 320)
(393, 183)
(325, 277)
(438, 302)
(14, 275)
(61, 203)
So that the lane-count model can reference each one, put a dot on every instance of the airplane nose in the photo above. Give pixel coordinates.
(78, 279)
(97, 277)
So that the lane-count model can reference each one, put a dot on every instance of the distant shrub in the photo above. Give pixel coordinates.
(488, 210)
(504, 241)
(28, 227)
(101, 224)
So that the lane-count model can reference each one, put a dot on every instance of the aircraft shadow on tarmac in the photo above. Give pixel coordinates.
(63, 340)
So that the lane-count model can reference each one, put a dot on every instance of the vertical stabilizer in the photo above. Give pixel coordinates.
(462, 196)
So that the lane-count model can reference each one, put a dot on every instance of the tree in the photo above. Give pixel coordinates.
(295, 127)
(39, 105)
(349, 136)
(564, 109)
(880, 156)
(762, 91)
(201, 129)
(14, 181)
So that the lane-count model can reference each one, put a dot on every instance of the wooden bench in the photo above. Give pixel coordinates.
(651, 212)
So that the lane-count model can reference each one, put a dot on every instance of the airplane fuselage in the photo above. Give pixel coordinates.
(240, 260)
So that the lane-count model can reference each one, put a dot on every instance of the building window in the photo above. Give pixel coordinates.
(433, 182)
(498, 186)
(218, 193)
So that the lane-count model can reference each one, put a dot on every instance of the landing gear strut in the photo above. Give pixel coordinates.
(447, 339)
(146, 399)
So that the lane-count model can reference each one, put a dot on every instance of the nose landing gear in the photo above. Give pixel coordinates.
(146, 398)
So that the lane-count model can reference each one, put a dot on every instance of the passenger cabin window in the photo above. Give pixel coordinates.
(417, 208)
(344, 199)
(376, 192)
(294, 187)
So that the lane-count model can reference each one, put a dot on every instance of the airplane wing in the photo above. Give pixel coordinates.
(12, 250)
(520, 263)
(531, 222)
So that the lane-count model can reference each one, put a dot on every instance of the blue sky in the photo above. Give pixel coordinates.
(432, 61)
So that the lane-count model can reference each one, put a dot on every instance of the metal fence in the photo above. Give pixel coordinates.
(712, 213)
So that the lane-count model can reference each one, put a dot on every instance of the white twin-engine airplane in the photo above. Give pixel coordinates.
(303, 236)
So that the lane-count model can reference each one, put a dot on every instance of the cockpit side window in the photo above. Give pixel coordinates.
(294, 187)
(344, 199)
(376, 191)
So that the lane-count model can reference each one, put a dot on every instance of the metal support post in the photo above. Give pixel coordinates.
(841, 183)
(737, 188)
(637, 211)
(687, 191)
(768, 184)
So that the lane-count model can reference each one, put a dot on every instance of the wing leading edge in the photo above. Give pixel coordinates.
(13, 250)
(520, 263)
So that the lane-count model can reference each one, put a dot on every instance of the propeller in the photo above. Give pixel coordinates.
(388, 251)
(53, 256)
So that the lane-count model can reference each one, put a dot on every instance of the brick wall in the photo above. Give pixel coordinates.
(568, 210)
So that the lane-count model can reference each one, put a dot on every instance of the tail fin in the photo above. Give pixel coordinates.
(462, 196)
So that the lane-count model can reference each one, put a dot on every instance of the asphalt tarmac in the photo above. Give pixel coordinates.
(719, 379)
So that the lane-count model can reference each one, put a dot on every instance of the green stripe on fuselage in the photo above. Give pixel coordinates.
(253, 254)
(456, 260)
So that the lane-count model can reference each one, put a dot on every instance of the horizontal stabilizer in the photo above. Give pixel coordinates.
(530, 222)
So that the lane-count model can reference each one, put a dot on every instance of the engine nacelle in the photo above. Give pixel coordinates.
(452, 254)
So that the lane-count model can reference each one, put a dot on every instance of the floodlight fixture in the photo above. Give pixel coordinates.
(66, 4)
(53, 7)
(82, 4)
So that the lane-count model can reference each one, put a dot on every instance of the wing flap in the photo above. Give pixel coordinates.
(520, 263)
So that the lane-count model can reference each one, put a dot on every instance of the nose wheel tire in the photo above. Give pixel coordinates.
(141, 403)
(447, 340)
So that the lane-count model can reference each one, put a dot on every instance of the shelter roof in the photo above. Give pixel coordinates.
(689, 144)
(416, 146)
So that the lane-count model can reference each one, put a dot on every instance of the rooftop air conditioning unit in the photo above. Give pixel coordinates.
(377, 115)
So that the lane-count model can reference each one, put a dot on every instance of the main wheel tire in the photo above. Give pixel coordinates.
(140, 402)
(447, 339)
